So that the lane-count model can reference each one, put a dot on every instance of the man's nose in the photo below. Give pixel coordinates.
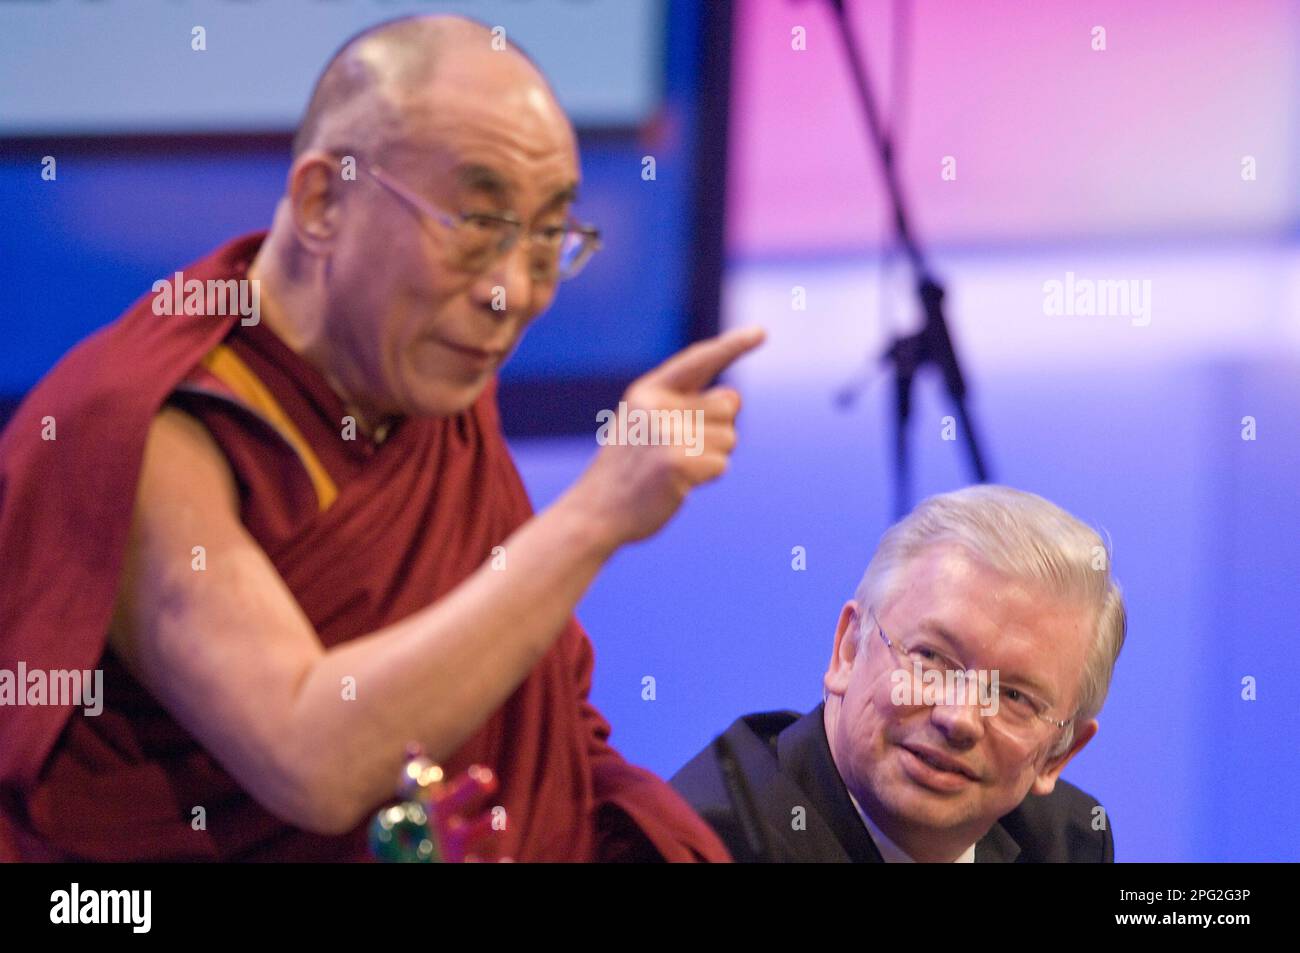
(961, 722)
(510, 283)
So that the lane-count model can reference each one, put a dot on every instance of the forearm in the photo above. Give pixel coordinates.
(436, 676)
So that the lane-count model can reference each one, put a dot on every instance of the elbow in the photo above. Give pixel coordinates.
(309, 791)
(324, 805)
(323, 815)
(305, 806)
(331, 822)
(315, 778)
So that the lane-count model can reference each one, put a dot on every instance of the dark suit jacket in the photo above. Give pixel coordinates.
(785, 762)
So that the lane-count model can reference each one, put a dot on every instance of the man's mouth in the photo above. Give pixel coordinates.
(482, 355)
(940, 762)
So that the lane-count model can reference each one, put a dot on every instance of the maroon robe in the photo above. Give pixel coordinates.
(363, 534)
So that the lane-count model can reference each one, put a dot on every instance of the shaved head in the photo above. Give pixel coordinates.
(365, 94)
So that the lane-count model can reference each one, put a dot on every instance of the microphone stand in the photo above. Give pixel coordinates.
(932, 343)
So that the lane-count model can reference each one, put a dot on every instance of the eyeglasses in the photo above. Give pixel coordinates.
(559, 250)
(1018, 713)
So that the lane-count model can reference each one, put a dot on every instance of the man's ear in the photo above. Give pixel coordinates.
(836, 679)
(315, 191)
(1045, 782)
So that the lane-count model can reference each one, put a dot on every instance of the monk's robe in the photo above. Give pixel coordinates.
(363, 534)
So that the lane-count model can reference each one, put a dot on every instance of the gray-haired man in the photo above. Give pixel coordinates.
(967, 671)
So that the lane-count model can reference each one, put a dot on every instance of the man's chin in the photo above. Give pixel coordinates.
(921, 807)
(446, 400)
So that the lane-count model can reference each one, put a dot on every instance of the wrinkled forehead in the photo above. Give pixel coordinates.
(503, 145)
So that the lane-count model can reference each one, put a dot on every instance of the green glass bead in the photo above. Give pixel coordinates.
(400, 834)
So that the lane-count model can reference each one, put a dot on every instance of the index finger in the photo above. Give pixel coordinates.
(693, 367)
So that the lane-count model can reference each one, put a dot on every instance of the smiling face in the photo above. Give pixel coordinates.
(410, 330)
(881, 749)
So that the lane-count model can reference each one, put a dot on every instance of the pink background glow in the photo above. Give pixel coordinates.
(1052, 140)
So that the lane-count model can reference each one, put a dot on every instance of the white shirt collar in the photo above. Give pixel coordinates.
(891, 852)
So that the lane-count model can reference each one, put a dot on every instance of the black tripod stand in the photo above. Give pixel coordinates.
(931, 344)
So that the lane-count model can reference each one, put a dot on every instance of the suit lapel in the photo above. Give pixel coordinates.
(775, 798)
(997, 847)
(805, 758)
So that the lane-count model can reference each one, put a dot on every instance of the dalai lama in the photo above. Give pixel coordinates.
(295, 542)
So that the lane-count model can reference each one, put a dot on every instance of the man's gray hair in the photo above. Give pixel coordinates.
(1027, 538)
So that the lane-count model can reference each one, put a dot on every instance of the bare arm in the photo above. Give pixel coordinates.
(231, 655)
